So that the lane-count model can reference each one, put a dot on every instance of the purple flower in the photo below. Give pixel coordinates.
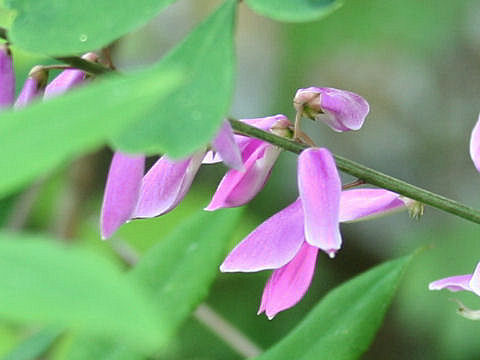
(33, 87)
(319, 187)
(239, 187)
(129, 194)
(121, 191)
(469, 282)
(166, 184)
(7, 77)
(340, 109)
(68, 79)
(280, 244)
(475, 144)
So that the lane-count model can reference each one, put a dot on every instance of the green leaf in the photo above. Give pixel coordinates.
(34, 346)
(294, 10)
(177, 272)
(42, 136)
(43, 282)
(58, 27)
(189, 118)
(344, 323)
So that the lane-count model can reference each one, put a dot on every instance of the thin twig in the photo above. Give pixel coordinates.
(368, 175)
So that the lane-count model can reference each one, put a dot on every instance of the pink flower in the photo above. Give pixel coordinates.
(33, 87)
(129, 194)
(468, 282)
(7, 77)
(238, 187)
(340, 109)
(280, 244)
(68, 79)
(475, 144)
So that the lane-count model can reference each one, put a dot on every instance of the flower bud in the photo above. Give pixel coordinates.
(7, 77)
(33, 86)
(68, 79)
(340, 109)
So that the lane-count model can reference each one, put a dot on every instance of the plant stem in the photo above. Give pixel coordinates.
(88, 66)
(368, 175)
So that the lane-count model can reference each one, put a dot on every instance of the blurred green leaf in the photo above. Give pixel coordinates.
(190, 117)
(34, 346)
(43, 135)
(66, 27)
(177, 272)
(43, 282)
(294, 10)
(344, 323)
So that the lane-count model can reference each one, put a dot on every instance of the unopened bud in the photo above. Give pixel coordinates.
(7, 77)
(33, 86)
(340, 109)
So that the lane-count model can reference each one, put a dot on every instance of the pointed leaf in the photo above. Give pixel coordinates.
(66, 27)
(294, 10)
(191, 116)
(43, 282)
(344, 323)
(34, 346)
(42, 136)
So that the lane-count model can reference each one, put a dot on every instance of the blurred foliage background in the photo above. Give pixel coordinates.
(418, 65)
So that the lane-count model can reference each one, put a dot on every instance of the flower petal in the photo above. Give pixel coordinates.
(271, 245)
(7, 77)
(121, 192)
(67, 79)
(340, 109)
(320, 187)
(475, 145)
(475, 281)
(288, 285)
(224, 143)
(33, 87)
(361, 204)
(265, 123)
(452, 283)
(166, 184)
(239, 187)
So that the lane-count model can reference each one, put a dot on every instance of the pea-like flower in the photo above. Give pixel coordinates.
(340, 109)
(468, 282)
(475, 145)
(129, 194)
(7, 77)
(281, 242)
(238, 187)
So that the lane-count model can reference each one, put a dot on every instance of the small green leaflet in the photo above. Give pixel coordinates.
(187, 119)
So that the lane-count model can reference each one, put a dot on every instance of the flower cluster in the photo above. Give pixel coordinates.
(289, 241)
(35, 86)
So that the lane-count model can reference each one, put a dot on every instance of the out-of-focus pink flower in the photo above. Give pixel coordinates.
(68, 79)
(7, 77)
(475, 145)
(340, 109)
(33, 87)
(280, 244)
(239, 187)
(468, 282)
